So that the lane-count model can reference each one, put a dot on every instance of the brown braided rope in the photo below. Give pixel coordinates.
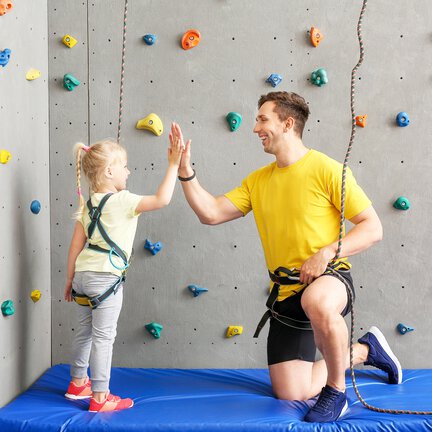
(341, 228)
(122, 71)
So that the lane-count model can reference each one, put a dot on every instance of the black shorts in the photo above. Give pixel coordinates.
(287, 343)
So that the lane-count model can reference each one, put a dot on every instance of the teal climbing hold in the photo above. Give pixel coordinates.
(403, 329)
(154, 329)
(7, 308)
(35, 206)
(402, 203)
(70, 82)
(234, 120)
(319, 77)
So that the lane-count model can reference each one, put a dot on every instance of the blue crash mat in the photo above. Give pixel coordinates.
(210, 400)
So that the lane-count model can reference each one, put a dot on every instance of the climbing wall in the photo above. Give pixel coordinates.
(25, 325)
(242, 44)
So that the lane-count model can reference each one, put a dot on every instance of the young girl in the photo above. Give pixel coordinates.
(95, 273)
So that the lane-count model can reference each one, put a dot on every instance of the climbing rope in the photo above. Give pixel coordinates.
(122, 71)
(341, 228)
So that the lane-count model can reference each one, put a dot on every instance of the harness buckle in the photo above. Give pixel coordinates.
(93, 303)
(94, 214)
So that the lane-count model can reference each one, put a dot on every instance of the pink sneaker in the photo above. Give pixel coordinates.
(111, 403)
(79, 392)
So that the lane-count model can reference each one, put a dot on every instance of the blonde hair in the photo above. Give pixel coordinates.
(93, 160)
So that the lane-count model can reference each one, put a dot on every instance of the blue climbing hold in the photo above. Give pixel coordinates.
(196, 290)
(35, 207)
(5, 57)
(319, 77)
(403, 329)
(149, 39)
(274, 79)
(154, 248)
(402, 119)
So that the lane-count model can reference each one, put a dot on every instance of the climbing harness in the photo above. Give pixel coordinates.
(292, 278)
(95, 215)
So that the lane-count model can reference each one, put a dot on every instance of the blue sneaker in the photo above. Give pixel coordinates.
(381, 356)
(331, 405)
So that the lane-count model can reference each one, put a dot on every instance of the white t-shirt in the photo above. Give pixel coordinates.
(120, 222)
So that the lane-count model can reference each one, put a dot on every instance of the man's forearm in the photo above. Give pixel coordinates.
(361, 237)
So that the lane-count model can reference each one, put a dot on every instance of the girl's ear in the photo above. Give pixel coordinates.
(108, 171)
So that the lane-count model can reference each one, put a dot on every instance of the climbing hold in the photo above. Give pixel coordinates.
(70, 82)
(361, 120)
(7, 308)
(69, 41)
(234, 120)
(32, 74)
(234, 331)
(190, 39)
(5, 57)
(319, 77)
(152, 123)
(402, 119)
(196, 290)
(5, 156)
(154, 248)
(35, 207)
(149, 39)
(35, 295)
(154, 329)
(402, 203)
(315, 36)
(274, 79)
(403, 328)
(5, 6)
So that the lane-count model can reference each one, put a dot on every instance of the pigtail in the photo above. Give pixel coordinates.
(79, 147)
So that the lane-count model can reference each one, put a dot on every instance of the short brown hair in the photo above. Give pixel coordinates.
(288, 104)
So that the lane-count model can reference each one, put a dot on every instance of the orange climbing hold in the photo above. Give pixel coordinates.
(361, 120)
(315, 36)
(191, 39)
(5, 6)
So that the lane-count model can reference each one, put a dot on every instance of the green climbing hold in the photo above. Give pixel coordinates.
(402, 203)
(70, 82)
(319, 77)
(234, 120)
(154, 329)
(7, 308)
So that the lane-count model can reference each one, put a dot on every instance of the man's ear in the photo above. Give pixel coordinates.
(289, 124)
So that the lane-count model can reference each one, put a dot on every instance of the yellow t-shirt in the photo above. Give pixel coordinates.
(120, 222)
(297, 208)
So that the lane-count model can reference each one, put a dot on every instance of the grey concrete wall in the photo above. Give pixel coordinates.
(25, 337)
(242, 44)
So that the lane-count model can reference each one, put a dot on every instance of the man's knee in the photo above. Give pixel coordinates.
(291, 394)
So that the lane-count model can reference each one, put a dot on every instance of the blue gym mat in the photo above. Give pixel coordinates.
(213, 400)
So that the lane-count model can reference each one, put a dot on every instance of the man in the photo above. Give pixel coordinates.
(296, 204)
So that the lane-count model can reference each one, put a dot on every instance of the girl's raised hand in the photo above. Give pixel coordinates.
(176, 148)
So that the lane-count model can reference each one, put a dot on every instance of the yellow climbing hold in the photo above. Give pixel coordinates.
(152, 123)
(33, 74)
(234, 331)
(69, 41)
(5, 156)
(35, 295)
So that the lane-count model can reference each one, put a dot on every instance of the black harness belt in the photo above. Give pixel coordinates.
(291, 278)
(94, 302)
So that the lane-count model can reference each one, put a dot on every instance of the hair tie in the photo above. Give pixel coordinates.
(86, 148)
(79, 192)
